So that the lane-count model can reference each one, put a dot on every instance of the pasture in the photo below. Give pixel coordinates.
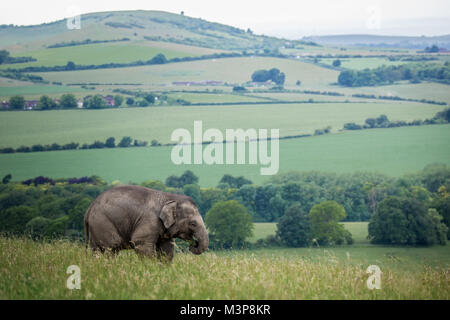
(37, 270)
(393, 151)
(85, 126)
(230, 70)
(100, 53)
(363, 63)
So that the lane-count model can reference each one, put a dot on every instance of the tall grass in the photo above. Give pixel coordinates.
(37, 270)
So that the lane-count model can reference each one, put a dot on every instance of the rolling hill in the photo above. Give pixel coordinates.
(135, 26)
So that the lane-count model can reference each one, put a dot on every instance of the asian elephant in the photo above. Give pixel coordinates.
(143, 219)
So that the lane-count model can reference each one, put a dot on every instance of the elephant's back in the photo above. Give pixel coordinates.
(129, 199)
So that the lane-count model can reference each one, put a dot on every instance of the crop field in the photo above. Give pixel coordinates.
(100, 53)
(37, 270)
(85, 126)
(230, 70)
(393, 151)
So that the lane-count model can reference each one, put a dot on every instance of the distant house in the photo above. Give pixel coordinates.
(79, 104)
(109, 100)
(5, 104)
(30, 104)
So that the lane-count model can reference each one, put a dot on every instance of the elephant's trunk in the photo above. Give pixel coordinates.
(202, 241)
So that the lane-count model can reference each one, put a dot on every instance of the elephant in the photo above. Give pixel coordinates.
(143, 219)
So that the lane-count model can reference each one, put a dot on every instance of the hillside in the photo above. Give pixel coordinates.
(381, 41)
(136, 26)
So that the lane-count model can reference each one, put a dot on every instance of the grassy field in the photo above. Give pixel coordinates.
(357, 229)
(100, 53)
(394, 151)
(231, 70)
(32, 270)
(85, 126)
(363, 63)
(39, 90)
(424, 90)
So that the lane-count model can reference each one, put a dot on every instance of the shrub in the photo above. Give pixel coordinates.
(229, 224)
(402, 221)
(324, 219)
(294, 228)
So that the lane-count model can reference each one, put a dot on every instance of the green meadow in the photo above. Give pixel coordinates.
(394, 151)
(230, 70)
(37, 270)
(85, 126)
(100, 53)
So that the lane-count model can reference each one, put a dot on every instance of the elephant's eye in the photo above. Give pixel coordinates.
(192, 223)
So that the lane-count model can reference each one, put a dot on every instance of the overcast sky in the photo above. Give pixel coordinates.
(291, 19)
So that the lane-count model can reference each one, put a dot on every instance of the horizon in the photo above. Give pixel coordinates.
(284, 19)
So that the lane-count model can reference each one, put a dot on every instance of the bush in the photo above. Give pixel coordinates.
(110, 142)
(402, 221)
(294, 228)
(324, 219)
(125, 142)
(229, 224)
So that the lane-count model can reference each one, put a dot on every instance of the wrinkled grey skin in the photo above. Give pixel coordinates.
(143, 219)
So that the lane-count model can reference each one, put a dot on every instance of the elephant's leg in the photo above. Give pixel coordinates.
(145, 248)
(166, 249)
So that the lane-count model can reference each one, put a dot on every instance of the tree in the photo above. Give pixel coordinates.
(6, 178)
(110, 142)
(336, 63)
(46, 103)
(347, 78)
(4, 55)
(68, 101)
(76, 214)
(188, 177)
(158, 59)
(402, 221)
(273, 74)
(239, 89)
(96, 102)
(234, 182)
(324, 223)
(118, 100)
(37, 227)
(17, 102)
(440, 227)
(294, 228)
(125, 142)
(13, 219)
(149, 98)
(70, 65)
(229, 224)
(193, 191)
(129, 101)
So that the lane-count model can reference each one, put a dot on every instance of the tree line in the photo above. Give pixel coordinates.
(417, 204)
(414, 72)
(383, 121)
(125, 142)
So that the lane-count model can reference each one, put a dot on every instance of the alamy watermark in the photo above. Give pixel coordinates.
(74, 18)
(374, 281)
(209, 147)
(74, 280)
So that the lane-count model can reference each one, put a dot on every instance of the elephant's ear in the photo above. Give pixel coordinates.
(167, 214)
